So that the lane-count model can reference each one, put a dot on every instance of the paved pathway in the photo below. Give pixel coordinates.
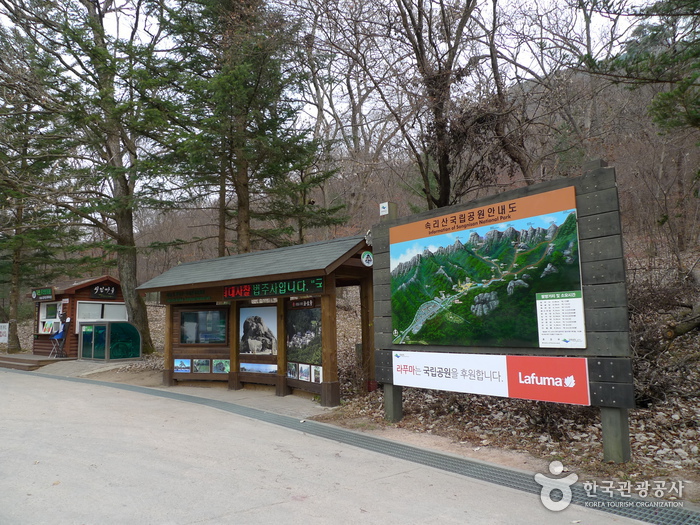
(74, 451)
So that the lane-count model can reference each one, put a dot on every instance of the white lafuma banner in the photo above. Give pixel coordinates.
(556, 379)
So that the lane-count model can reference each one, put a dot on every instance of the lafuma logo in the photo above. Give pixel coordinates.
(534, 379)
(557, 379)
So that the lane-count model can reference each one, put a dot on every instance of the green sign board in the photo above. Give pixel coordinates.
(42, 294)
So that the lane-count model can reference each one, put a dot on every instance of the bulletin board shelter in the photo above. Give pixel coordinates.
(83, 303)
(266, 317)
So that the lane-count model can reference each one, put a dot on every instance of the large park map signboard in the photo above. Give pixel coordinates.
(519, 295)
(502, 275)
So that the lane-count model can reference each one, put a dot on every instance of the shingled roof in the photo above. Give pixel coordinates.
(319, 258)
(68, 287)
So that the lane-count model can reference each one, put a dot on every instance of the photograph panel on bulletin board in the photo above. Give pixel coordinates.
(221, 366)
(183, 366)
(258, 329)
(258, 368)
(304, 372)
(304, 342)
(201, 366)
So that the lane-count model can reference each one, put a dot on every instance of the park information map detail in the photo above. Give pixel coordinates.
(506, 274)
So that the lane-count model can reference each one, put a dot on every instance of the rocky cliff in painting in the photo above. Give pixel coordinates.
(257, 338)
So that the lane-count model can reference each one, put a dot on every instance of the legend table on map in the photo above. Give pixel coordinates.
(560, 320)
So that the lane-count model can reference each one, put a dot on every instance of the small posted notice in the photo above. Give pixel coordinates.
(560, 320)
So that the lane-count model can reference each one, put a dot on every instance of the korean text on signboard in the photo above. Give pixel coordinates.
(187, 296)
(276, 288)
(103, 291)
(300, 304)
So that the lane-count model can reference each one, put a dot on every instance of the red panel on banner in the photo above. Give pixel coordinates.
(557, 379)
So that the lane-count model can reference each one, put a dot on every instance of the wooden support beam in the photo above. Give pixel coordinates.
(168, 379)
(616, 434)
(281, 388)
(393, 402)
(330, 387)
(234, 382)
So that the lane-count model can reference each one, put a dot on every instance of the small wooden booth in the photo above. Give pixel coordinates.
(266, 317)
(93, 315)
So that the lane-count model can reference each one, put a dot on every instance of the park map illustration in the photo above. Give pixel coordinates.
(479, 286)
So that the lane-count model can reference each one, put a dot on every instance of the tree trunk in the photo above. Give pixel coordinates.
(243, 198)
(222, 213)
(135, 305)
(127, 252)
(512, 143)
(442, 140)
(241, 184)
(116, 144)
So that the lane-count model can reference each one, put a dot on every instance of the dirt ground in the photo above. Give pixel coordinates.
(506, 458)
(151, 378)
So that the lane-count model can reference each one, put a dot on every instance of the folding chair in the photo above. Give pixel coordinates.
(57, 341)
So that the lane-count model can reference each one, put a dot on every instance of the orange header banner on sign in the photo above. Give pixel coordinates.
(530, 206)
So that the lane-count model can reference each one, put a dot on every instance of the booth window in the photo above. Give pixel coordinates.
(49, 321)
(203, 327)
(90, 311)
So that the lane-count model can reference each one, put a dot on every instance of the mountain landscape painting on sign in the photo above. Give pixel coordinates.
(471, 278)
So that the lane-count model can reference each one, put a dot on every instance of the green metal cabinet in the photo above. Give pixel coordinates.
(109, 341)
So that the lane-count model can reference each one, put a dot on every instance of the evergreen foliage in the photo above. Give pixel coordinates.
(665, 49)
(237, 125)
(38, 242)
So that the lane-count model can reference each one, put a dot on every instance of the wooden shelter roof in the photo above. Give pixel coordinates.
(319, 258)
(69, 287)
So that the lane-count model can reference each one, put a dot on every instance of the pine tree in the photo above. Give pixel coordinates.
(33, 237)
(87, 76)
(237, 125)
(665, 50)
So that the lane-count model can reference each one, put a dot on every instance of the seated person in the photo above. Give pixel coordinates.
(60, 336)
